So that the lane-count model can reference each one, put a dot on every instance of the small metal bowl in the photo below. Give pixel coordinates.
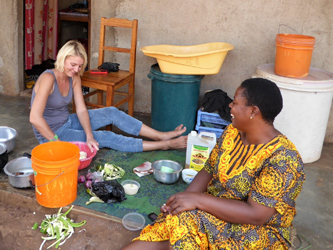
(164, 177)
(20, 172)
(8, 137)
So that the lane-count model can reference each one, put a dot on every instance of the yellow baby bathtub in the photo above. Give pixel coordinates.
(202, 59)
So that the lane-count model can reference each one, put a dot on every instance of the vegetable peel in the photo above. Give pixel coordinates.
(58, 227)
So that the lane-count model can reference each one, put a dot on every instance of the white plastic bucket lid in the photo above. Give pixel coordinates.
(133, 221)
(318, 80)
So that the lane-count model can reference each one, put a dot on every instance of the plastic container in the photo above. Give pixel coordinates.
(211, 123)
(210, 118)
(306, 108)
(133, 221)
(90, 155)
(293, 55)
(131, 187)
(55, 165)
(202, 59)
(217, 131)
(188, 175)
(174, 100)
(198, 149)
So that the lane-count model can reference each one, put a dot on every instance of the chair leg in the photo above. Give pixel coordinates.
(100, 97)
(131, 100)
(109, 102)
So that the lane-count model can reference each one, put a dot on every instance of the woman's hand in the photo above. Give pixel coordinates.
(165, 210)
(181, 202)
(92, 143)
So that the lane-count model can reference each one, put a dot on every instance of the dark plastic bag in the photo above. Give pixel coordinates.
(109, 191)
(110, 67)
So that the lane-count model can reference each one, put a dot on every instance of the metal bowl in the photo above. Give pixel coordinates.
(20, 172)
(8, 137)
(167, 178)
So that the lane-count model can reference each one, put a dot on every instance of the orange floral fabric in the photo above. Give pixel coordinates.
(270, 174)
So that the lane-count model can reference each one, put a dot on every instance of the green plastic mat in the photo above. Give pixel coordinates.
(152, 194)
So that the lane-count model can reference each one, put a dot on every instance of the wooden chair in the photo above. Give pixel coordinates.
(111, 82)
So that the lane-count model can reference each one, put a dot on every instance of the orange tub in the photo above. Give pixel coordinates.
(55, 166)
(293, 55)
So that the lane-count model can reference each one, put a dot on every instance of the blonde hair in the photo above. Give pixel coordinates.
(71, 48)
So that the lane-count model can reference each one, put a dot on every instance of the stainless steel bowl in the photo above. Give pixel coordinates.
(8, 137)
(20, 172)
(167, 178)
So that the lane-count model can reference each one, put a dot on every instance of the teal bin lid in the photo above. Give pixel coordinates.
(156, 73)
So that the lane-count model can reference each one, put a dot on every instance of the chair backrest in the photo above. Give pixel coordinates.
(120, 23)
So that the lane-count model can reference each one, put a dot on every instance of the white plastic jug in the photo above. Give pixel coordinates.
(198, 149)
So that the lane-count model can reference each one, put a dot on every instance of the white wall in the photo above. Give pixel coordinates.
(251, 26)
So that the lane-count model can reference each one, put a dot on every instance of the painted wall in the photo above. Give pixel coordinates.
(251, 26)
(11, 47)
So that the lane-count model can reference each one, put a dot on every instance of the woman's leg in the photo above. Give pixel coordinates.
(112, 116)
(176, 143)
(161, 136)
(146, 245)
(73, 131)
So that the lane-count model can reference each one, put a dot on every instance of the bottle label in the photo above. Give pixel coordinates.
(199, 155)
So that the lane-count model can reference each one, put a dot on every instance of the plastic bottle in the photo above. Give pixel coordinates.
(198, 149)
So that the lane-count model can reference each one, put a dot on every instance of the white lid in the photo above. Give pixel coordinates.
(133, 221)
(194, 133)
(318, 80)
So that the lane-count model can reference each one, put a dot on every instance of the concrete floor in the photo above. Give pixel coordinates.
(314, 205)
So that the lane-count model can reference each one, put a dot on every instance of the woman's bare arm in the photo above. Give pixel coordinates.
(200, 182)
(43, 88)
(233, 211)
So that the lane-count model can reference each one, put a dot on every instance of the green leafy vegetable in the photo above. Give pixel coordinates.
(58, 227)
(112, 172)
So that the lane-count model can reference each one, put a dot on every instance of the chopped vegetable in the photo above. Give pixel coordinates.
(35, 226)
(111, 171)
(58, 227)
(81, 179)
(83, 155)
(93, 197)
(88, 184)
(89, 176)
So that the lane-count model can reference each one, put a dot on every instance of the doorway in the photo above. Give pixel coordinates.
(73, 22)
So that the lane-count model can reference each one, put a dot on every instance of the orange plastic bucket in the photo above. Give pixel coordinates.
(55, 166)
(293, 55)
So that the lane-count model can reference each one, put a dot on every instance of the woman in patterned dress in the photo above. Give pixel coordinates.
(244, 197)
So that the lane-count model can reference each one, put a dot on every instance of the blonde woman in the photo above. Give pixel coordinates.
(54, 91)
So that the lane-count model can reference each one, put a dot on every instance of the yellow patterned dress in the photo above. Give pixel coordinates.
(271, 174)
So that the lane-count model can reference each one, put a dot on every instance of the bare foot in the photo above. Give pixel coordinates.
(177, 143)
(172, 134)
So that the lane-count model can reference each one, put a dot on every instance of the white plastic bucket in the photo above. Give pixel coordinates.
(306, 108)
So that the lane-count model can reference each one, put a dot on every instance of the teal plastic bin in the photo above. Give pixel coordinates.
(174, 100)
